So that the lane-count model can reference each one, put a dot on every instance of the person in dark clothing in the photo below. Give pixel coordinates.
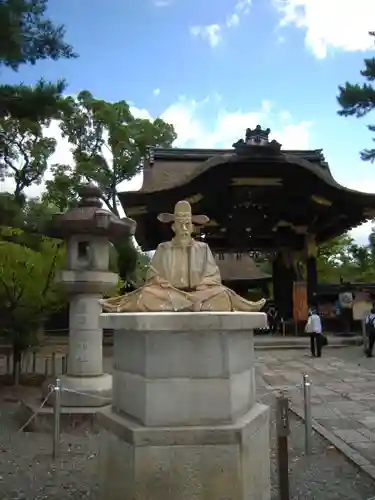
(272, 319)
(370, 331)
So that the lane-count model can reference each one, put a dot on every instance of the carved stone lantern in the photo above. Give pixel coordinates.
(88, 230)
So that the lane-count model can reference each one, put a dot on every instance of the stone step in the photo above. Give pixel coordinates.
(266, 342)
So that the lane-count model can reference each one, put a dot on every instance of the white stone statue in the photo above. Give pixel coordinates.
(183, 275)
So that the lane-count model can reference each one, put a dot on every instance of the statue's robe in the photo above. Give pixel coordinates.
(182, 278)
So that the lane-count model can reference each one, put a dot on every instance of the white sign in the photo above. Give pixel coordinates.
(82, 352)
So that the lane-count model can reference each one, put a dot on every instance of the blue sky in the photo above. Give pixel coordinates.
(214, 68)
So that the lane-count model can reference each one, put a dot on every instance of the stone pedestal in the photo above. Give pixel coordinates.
(85, 384)
(184, 422)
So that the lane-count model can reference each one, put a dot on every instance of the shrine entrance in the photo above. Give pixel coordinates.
(260, 198)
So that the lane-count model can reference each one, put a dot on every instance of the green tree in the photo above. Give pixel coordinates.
(342, 258)
(28, 292)
(25, 151)
(33, 103)
(109, 147)
(27, 35)
(10, 211)
(359, 99)
(26, 223)
(334, 259)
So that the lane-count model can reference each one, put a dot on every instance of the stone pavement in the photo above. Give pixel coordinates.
(343, 395)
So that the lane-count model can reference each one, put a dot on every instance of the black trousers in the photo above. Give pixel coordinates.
(316, 344)
(273, 325)
(371, 342)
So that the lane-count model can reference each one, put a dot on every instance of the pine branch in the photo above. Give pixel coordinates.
(356, 100)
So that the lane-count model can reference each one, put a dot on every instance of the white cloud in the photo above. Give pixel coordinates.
(362, 232)
(230, 125)
(331, 24)
(162, 3)
(243, 6)
(140, 112)
(156, 92)
(285, 115)
(211, 33)
(233, 20)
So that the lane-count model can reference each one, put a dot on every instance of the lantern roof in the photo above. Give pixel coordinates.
(90, 218)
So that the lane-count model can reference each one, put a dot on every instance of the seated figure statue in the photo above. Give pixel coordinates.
(183, 275)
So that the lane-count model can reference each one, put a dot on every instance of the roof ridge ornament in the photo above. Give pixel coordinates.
(256, 141)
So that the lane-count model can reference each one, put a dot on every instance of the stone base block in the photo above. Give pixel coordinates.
(70, 418)
(177, 369)
(84, 391)
(230, 462)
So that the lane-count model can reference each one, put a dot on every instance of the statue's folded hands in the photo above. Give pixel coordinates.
(202, 287)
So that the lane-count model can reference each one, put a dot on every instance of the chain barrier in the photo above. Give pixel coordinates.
(35, 414)
(57, 390)
(305, 388)
(95, 396)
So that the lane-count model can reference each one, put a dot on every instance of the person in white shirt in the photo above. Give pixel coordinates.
(314, 328)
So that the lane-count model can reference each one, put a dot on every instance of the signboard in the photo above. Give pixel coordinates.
(300, 305)
(362, 306)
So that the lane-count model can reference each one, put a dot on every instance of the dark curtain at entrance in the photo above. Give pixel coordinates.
(283, 277)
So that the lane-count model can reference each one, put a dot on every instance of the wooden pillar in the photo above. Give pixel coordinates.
(265, 289)
(300, 300)
(311, 269)
(283, 275)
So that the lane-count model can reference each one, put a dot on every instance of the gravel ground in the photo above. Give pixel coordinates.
(28, 472)
(325, 475)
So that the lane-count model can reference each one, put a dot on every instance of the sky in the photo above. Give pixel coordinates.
(216, 67)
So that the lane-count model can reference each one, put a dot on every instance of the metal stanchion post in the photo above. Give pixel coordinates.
(56, 422)
(34, 362)
(282, 429)
(308, 417)
(364, 336)
(53, 364)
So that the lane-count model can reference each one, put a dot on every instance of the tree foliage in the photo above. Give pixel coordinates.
(342, 258)
(37, 103)
(359, 99)
(27, 35)
(25, 151)
(109, 147)
(28, 292)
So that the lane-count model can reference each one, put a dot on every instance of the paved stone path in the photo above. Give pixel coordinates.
(343, 393)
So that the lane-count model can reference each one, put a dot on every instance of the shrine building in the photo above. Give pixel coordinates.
(259, 198)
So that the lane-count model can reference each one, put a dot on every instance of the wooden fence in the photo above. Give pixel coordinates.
(49, 363)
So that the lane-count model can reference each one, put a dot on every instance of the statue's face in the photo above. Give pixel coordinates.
(183, 227)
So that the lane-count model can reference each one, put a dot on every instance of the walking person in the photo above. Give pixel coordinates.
(272, 319)
(314, 328)
(370, 331)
